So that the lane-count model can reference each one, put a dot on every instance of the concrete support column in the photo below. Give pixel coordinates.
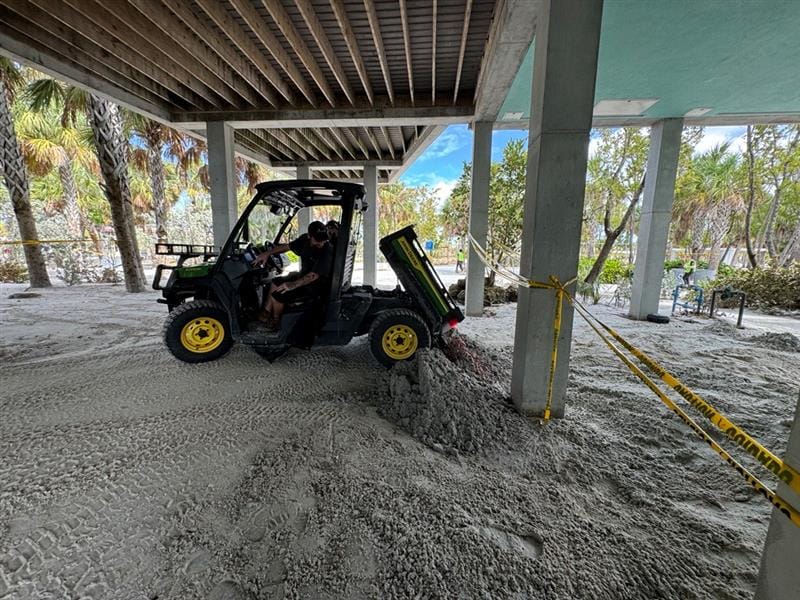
(222, 175)
(478, 215)
(304, 215)
(779, 577)
(371, 225)
(659, 192)
(564, 70)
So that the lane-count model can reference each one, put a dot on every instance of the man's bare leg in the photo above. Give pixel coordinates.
(277, 311)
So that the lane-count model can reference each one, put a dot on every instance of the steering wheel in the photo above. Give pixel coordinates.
(274, 262)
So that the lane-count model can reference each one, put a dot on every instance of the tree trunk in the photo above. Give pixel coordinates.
(597, 267)
(111, 154)
(788, 249)
(16, 178)
(769, 223)
(155, 165)
(611, 237)
(751, 198)
(72, 212)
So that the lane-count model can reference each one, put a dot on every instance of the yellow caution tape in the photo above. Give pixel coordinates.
(784, 471)
(739, 436)
(36, 242)
(787, 509)
(554, 284)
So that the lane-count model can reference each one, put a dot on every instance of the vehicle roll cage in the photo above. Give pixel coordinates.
(288, 197)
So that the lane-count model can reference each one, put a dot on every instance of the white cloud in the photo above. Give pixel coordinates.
(714, 136)
(452, 140)
(443, 189)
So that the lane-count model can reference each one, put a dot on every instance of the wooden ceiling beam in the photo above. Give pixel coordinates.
(354, 133)
(433, 54)
(308, 136)
(110, 32)
(84, 35)
(277, 147)
(407, 46)
(342, 140)
(295, 40)
(324, 136)
(180, 44)
(352, 45)
(281, 136)
(374, 141)
(264, 34)
(39, 25)
(294, 135)
(47, 43)
(462, 51)
(389, 143)
(239, 37)
(375, 28)
(320, 37)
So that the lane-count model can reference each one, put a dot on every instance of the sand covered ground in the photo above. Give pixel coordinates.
(126, 474)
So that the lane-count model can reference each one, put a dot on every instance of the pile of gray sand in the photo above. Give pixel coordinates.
(452, 406)
(785, 342)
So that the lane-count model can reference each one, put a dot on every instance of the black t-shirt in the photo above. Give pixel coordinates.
(317, 260)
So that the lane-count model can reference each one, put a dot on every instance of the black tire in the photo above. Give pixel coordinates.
(661, 319)
(198, 321)
(412, 335)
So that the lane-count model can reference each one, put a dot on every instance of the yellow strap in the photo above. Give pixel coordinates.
(36, 242)
(787, 509)
(784, 471)
(554, 284)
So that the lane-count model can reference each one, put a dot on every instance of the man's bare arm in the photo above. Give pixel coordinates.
(261, 259)
(300, 282)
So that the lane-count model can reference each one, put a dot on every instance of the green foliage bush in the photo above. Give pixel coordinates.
(677, 263)
(615, 270)
(584, 266)
(766, 287)
(12, 271)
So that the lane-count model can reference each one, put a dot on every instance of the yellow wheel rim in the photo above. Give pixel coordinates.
(202, 335)
(400, 342)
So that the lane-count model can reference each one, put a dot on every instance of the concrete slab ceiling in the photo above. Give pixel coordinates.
(712, 62)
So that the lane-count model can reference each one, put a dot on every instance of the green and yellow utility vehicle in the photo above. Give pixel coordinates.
(215, 303)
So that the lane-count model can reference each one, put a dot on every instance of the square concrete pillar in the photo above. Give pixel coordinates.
(779, 577)
(304, 214)
(564, 71)
(222, 175)
(371, 225)
(478, 215)
(656, 214)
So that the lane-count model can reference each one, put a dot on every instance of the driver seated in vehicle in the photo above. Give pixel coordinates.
(316, 260)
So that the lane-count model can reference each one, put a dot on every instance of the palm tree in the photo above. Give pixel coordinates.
(16, 176)
(112, 154)
(160, 142)
(711, 196)
(48, 146)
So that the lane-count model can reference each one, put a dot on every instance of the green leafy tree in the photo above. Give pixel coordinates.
(49, 146)
(111, 146)
(615, 182)
(710, 197)
(778, 147)
(401, 205)
(506, 201)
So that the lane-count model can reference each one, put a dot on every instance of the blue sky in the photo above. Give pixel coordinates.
(440, 165)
